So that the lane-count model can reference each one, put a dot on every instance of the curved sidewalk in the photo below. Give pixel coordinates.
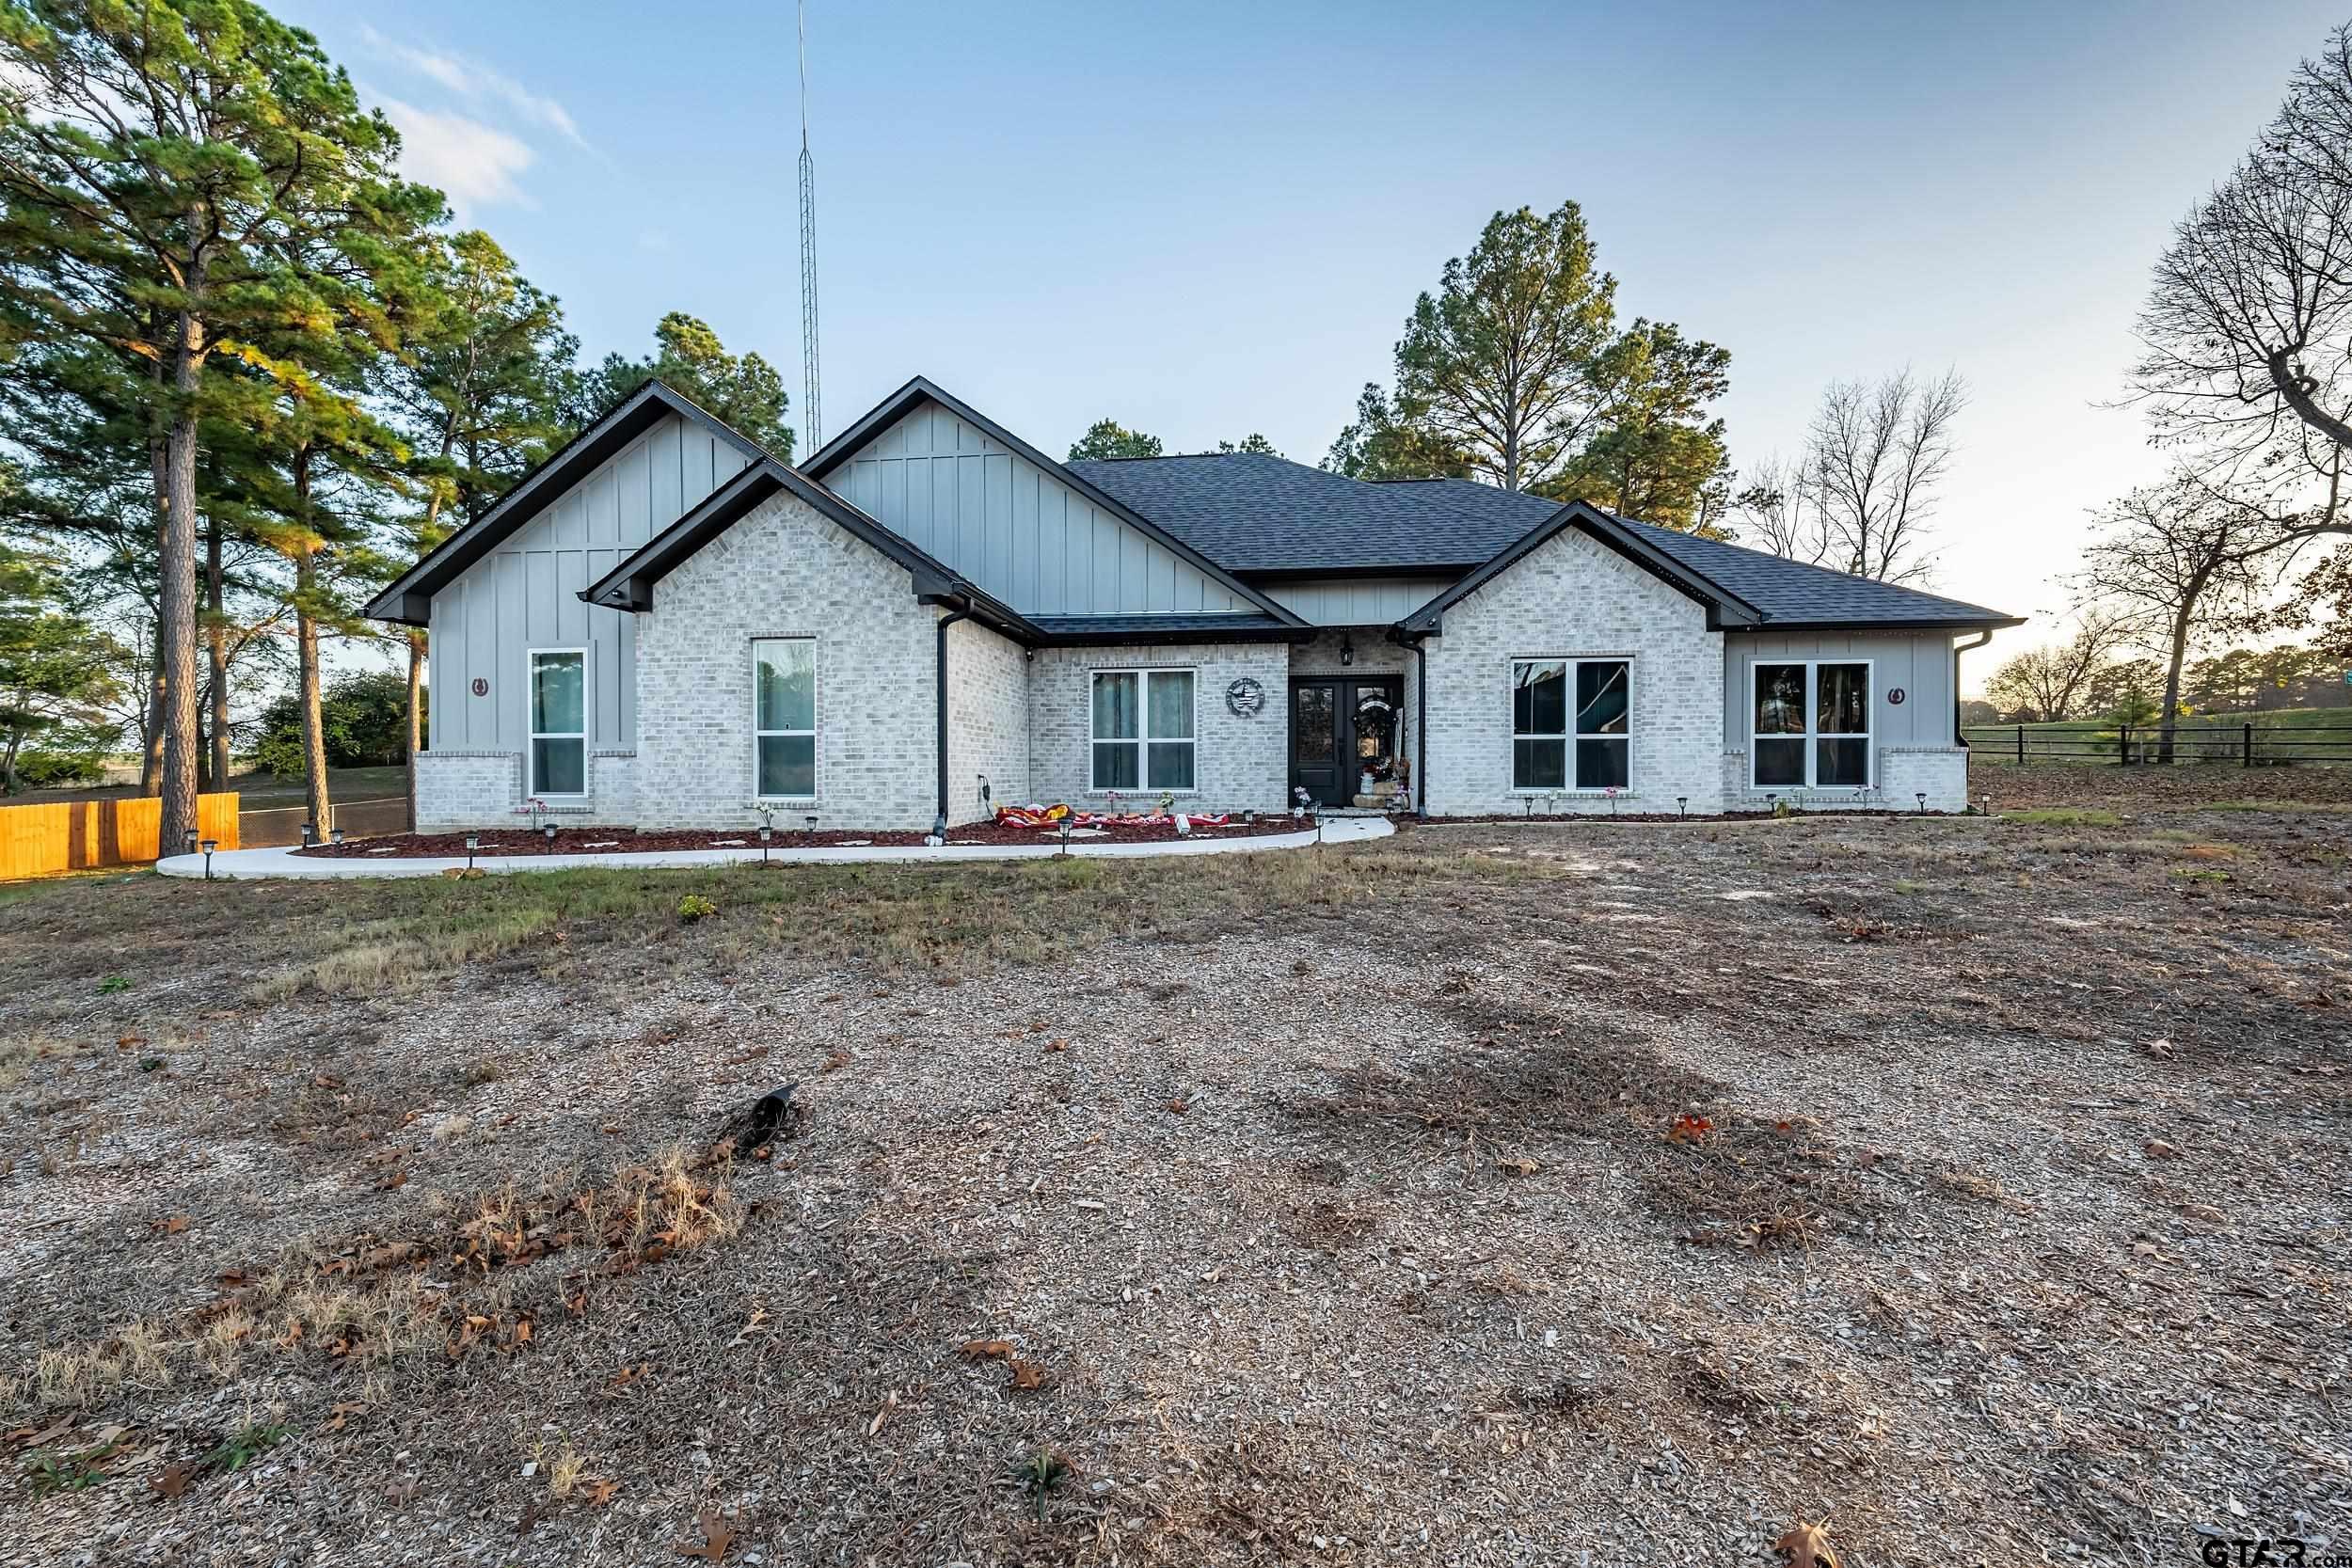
(246, 864)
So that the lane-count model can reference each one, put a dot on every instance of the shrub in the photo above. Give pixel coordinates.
(695, 907)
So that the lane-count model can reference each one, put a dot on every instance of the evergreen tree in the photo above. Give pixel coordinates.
(159, 166)
(743, 389)
(1109, 439)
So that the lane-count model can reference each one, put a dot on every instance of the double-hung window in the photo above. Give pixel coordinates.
(1812, 725)
(559, 721)
(1145, 730)
(784, 716)
(1571, 724)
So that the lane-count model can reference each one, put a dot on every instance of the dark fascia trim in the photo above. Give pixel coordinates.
(1724, 608)
(629, 586)
(409, 600)
(1167, 639)
(1300, 573)
(893, 408)
(1987, 622)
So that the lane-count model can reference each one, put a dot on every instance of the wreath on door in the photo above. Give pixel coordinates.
(1375, 740)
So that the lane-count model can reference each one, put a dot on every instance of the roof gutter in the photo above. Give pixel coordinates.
(939, 823)
(1421, 717)
(1960, 738)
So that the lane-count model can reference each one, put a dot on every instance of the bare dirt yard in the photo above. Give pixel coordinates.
(1498, 1193)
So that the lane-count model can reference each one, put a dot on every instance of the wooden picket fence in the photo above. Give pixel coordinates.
(78, 835)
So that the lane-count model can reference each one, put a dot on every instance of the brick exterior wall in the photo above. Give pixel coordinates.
(1573, 596)
(1242, 763)
(987, 721)
(785, 571)
(457, 791)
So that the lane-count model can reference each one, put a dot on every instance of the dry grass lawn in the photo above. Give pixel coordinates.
(1495, 1194)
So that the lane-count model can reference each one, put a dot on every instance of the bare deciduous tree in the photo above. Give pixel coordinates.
(2248, 326)
(2052, 681)
(2179, 560)
(1861, 497)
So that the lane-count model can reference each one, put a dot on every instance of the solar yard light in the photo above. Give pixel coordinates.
(309, 834)
(1682, 803)
(1922, 798)
(209, 846)
(766, 832)
(336, 834)
(473, 842)
(187, 841)
(1064, 825)
(549, 832)
(811, 820)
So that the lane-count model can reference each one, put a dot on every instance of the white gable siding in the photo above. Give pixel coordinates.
(1015, 529)
(525, 594)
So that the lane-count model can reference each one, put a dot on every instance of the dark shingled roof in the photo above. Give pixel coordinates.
(1252, 512)
(1248, 627)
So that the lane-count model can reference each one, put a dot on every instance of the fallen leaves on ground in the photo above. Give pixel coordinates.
(1687, 1129)
(173, 1481)
(988, 1350)
(1027, 1374)
(1807, 1546)
(1518, 1166)
(716, 1538)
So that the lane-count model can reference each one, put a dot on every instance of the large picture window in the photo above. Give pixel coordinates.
(784, 716)
(559, 721)
(1571, 724)
(1812, 725)
(1144, 729)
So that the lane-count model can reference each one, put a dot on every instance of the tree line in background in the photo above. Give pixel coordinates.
(2246, 380)
(1517, 371)
(247, 374)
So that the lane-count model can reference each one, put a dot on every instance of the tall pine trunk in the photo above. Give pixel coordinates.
(216, 651)
(175, 617)
(306, 644)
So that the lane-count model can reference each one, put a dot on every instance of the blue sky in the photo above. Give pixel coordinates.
(1204, 220)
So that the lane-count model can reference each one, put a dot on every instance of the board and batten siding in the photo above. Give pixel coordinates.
(1918, 663)
(525, 594)
(1354, 601)
(1015, 529)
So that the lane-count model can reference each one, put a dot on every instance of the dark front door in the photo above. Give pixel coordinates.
(1341, 728)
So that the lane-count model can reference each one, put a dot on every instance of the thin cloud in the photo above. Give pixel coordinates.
(474, 164)
(478, 82)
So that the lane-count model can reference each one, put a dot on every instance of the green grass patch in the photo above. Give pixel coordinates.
(2063, 816)
(2284, 808)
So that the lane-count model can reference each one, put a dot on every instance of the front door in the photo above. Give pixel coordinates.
(1341, 728)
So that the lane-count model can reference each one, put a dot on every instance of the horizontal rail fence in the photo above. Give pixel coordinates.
(79, 835)
(2248, 745)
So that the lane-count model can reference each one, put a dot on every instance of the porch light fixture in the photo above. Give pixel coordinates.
(473, 842)
(209, 846)
(1347, 649)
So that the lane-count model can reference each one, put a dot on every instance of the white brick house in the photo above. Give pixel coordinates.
(665, 627)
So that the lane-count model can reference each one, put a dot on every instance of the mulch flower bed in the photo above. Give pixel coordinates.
(617, 841)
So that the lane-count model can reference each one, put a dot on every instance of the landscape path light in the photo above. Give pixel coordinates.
(1922, 797)
(473, 842)
(1682, 803)
(210, 845)
(766, 832)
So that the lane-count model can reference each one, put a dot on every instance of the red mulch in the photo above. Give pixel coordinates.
(620, 841)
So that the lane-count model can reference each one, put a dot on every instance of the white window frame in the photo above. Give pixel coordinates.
(1811, 736)
(535, 734)
(1572, 735)
(816, 755)
(1144, 739)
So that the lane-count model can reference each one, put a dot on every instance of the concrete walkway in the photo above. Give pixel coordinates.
(244, 864)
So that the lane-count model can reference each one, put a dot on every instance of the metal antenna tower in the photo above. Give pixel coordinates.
(812, 411)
